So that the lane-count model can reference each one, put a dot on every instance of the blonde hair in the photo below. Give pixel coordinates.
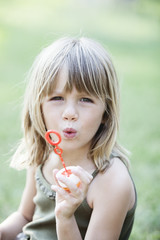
(90, 69)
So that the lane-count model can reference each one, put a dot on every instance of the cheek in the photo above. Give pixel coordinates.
(50, 121)
(93, 123)
(47, 116)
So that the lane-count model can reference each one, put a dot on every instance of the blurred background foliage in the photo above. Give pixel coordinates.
(130, 30)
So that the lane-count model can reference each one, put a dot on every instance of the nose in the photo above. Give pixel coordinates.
(70, 113)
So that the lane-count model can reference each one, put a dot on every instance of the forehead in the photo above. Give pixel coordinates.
(61, 80)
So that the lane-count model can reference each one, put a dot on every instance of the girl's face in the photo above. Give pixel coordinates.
(75, 115)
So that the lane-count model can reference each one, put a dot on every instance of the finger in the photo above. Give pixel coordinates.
(79, 170)
(65, 182)
(69, 185)
(84, 176)
(62, 193)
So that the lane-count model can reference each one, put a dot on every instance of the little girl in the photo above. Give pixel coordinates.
(73, 89)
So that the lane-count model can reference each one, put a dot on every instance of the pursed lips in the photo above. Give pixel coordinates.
(69, 133)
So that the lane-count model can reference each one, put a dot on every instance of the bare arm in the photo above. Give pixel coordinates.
(113, 197)
(110, 195)
(12, 226)
(15, 222)
(67, 203)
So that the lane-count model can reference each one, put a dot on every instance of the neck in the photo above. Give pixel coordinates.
(78, 158)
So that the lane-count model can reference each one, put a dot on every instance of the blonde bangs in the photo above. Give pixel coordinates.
(86, 73)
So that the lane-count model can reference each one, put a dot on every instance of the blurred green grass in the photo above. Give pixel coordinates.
(130, 31)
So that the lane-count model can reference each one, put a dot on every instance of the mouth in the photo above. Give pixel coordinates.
(69, 133)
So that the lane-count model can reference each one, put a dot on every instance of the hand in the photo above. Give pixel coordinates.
(68, 201)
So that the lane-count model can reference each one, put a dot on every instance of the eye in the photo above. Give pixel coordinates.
(87, 100)
(56, 98)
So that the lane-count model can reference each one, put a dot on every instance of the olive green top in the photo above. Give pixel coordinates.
(43, 225)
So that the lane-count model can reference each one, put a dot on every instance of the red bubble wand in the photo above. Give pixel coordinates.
(57, 149)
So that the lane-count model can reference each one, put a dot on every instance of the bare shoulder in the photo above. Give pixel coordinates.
(111, 195)
(115, 181)
(118, 176)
